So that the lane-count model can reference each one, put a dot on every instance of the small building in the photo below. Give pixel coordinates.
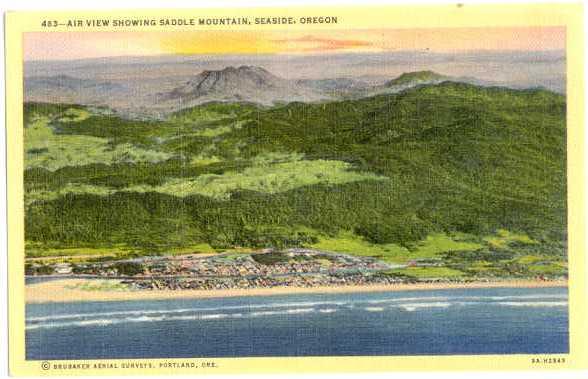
(63, 268)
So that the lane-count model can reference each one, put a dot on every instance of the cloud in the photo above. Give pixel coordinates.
(311, 43)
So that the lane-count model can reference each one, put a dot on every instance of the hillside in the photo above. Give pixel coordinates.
(401, 83)
(416, 77)
(468, 175)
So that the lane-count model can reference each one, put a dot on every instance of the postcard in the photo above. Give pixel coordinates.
(368, 188)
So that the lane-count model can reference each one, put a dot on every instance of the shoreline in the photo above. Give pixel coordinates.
(57, 291)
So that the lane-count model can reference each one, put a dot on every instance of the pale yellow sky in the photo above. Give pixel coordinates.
(79, 45)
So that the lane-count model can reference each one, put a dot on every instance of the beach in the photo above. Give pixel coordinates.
(68, 290)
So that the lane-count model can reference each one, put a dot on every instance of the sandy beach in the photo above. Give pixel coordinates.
(67, 290)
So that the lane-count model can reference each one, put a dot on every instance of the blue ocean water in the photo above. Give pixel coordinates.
(460, 321)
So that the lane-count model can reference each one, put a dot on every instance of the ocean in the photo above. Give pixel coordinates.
(436, 322)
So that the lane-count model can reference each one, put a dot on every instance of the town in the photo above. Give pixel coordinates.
(296, 267)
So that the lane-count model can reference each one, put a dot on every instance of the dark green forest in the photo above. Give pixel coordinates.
(474, 164)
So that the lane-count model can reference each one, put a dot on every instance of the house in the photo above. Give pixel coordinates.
(63, 268)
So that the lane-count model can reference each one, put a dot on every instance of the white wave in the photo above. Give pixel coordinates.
(537, 304)
(303, 310)
(266, 313)
(525, 297)
(191, 318)
(51, 325)
(144, 319)
(205, 317)
(414, 306)
(181, 310)
(165, 317)
(328, 310)
(104, 314)
(94, 322)
(402, 299)
(208, 317)
(464, 298)
(374, 309)
(46, 326)
(289, 311)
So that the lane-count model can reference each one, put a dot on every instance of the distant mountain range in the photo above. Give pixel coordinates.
(68, 89)
(242, 84)
(335, 84)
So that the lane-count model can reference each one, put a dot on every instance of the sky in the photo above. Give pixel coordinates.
(82, 45)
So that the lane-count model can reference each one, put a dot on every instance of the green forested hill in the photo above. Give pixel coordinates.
(437, 169)
(422, 77)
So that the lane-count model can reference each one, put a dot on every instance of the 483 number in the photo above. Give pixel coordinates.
(49, 23)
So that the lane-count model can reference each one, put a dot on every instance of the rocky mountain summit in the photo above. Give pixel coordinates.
(242, 84)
